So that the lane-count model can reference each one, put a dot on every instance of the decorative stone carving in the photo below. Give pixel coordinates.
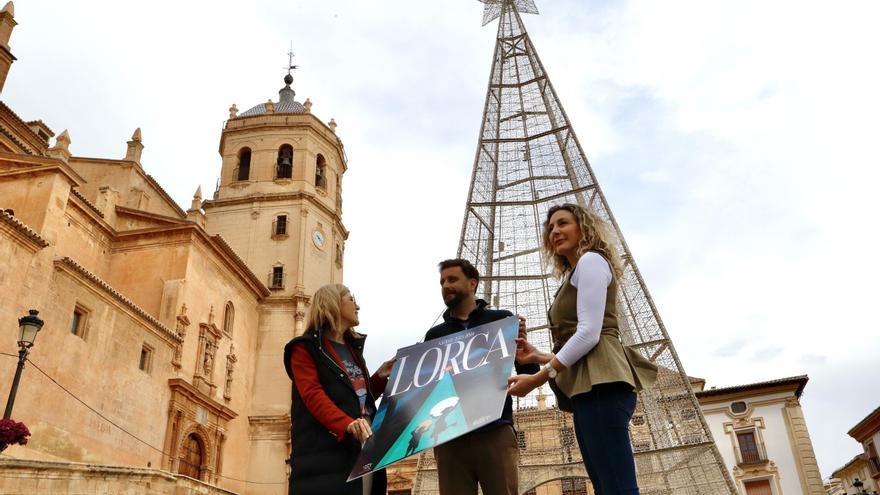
(182, 323)
(230, 368)
(209, 341)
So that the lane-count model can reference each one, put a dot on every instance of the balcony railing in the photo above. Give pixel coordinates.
(753, 456)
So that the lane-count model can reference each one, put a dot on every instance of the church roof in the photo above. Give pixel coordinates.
(285, 103)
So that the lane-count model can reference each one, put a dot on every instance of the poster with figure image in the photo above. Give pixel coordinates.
(439, 390)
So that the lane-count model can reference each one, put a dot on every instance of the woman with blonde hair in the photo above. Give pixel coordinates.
(592, 374)
(333, 398)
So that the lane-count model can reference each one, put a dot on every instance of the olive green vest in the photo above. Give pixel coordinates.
(610, 361)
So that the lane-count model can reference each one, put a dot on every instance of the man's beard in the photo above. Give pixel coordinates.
(456, 299)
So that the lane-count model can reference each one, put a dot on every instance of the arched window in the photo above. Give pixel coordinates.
(284, 166)
(191, 460)
(228, 318)
(321, 172)
(243, 172)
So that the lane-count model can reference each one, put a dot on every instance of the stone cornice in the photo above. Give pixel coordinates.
(38, 165)
(275, 197)
(146, 215)
(189, 391)
(72, 267)
(21, 232)
(140, 171)
(24, 135)
(215, 243)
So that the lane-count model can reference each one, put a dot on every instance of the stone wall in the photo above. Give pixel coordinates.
(24, 477)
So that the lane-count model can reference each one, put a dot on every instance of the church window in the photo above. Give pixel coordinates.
(638, 420)
(276, 278)
(284, 166)
(78, 321)
(228, 318)
(146, 360)
(279, 227)
(521, 440)
(321, 172)
(338, 254)
(243, 172)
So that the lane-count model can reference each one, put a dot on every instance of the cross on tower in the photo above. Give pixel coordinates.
(290, 65)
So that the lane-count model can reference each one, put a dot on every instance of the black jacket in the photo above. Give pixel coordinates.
(480, 316)
(319, 463)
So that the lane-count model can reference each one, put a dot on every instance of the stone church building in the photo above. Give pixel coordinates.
(159, 366)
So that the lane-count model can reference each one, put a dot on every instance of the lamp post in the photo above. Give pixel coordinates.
(857, 484)
(28, 326)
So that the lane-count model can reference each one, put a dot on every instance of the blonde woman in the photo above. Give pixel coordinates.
(592, 374)
(333, 398)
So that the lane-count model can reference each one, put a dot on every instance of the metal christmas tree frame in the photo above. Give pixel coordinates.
(529, 159)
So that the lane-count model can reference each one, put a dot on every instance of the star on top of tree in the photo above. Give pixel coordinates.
(493, 8)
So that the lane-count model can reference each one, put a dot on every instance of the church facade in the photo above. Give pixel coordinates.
(159, 365)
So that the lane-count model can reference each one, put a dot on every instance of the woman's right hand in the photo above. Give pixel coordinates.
(360, 429)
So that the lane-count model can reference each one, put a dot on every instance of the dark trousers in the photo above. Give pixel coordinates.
(488, 458)
(601, 424)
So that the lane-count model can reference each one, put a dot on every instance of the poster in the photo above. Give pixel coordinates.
(439, 390)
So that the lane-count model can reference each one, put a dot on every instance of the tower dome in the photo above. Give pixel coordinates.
(285, 104)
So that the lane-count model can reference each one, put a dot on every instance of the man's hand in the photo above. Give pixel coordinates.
(522, 327)
(385, 370)
(360, 429)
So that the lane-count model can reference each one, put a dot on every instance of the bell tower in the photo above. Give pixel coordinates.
(278, 205)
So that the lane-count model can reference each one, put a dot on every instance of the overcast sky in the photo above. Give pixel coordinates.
(735, 142)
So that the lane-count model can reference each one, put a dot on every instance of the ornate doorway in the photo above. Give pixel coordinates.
(192, 458)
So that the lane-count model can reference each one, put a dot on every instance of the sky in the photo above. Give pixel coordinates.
(734, 141)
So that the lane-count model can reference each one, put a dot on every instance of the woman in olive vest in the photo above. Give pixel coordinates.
(592, 374)
(333, 399)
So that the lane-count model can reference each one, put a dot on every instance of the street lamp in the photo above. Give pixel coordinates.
(857, 484)
(28, 326)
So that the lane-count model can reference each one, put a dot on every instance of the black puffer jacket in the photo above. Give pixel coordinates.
(319, 463)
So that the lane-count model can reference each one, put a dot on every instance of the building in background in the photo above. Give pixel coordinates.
(843, 478)
(864, 467)
(762, 434)
(159, 365)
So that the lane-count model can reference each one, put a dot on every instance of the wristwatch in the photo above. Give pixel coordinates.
(551, 371)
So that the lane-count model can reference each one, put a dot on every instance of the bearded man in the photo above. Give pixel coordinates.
(488, 456)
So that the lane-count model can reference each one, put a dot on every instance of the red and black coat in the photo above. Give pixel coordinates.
(323, 403)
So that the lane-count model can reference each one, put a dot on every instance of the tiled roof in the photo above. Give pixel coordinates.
(865, 420)
(22, 228)
(280, 107)
(68, 262)
(801, 381)
(87, 203)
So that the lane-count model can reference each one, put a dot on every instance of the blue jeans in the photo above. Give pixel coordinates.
(601, 424)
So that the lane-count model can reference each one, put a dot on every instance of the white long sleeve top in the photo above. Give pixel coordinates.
(591, 278)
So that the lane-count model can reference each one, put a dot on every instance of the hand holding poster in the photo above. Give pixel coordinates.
(439, 390)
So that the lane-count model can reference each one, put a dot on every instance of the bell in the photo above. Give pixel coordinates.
(285, 160)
